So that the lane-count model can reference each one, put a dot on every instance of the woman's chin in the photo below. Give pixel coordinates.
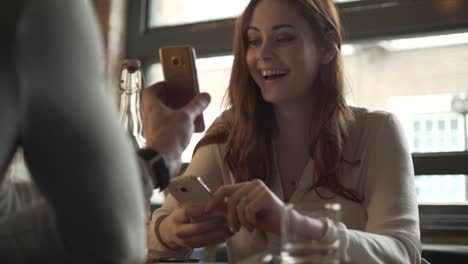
(272, 99)
(272, 96)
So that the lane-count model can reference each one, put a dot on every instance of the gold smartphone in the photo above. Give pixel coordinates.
(180, 74)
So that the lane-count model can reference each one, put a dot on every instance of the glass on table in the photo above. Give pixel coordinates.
(299, 245)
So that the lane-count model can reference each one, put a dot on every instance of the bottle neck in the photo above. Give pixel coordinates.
(131, 84)
(130, 102)
(130, 116)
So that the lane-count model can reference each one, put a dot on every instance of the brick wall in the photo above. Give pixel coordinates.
(374, 74)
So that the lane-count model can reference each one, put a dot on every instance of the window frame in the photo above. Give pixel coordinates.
(362, 20)
(442, 221)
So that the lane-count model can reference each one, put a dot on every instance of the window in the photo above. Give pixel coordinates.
(429, 125)
(416, 126)
(441, 125)
(176, 12)
(379, 81)
(413, 67)
(454, 124)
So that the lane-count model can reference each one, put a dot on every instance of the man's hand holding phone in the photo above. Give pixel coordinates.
(180, 74)
(169, 131)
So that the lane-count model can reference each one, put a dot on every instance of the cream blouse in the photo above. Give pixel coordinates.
(384, 228)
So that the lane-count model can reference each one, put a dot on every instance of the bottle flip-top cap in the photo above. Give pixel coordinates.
(132, 64)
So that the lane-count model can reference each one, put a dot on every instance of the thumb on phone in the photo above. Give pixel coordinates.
(197, 105)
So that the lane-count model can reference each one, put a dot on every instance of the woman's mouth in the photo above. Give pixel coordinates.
(273, 74)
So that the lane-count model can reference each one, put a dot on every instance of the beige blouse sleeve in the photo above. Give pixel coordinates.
(206, 163)
(392, 230)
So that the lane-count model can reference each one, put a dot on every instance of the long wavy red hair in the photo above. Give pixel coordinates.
(248, 126)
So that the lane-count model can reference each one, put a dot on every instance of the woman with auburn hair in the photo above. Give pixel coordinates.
(289, 136)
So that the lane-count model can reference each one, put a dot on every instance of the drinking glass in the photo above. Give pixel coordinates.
(299, 245)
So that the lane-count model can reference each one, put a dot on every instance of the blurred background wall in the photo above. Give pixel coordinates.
(112, 17)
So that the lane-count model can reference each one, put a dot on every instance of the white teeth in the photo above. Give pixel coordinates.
(267, 73)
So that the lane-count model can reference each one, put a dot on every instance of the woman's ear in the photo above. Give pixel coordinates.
(329, 48)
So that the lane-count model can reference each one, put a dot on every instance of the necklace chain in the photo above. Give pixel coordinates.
(292, 183)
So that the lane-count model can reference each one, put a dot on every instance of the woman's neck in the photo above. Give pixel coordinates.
(291, 144)
(293, 122)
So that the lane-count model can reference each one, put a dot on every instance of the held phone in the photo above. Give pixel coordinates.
(180, 73)
(189, 190)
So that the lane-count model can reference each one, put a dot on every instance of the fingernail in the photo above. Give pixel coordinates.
(232, 229)
(207, 97)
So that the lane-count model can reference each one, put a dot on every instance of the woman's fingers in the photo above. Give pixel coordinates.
(194, 228)
(251, 210)
(194, 212)
(179, 214)
(253, 203)
(217, 234)
(235, 205)
(245, 203)
(191, 227)
(265, 212)
(228, 195)
(241, 213)
(220, 195)
(199, 234)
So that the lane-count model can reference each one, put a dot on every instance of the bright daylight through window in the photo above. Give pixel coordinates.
(177, 12)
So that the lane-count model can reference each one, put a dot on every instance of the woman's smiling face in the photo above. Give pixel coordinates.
(283, 55)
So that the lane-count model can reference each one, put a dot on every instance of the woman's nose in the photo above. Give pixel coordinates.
(266, 52)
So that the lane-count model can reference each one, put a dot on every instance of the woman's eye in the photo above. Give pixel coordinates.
(253, 42)
(284, 38)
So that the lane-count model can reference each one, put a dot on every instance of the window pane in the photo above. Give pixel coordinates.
(177, 12)
(441, 189)
(417, 79)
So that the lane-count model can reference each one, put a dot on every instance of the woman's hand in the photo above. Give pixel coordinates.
(192, 227)
(250, 204)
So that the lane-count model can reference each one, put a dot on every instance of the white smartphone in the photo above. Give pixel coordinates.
(189, 190)
(180, 73)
